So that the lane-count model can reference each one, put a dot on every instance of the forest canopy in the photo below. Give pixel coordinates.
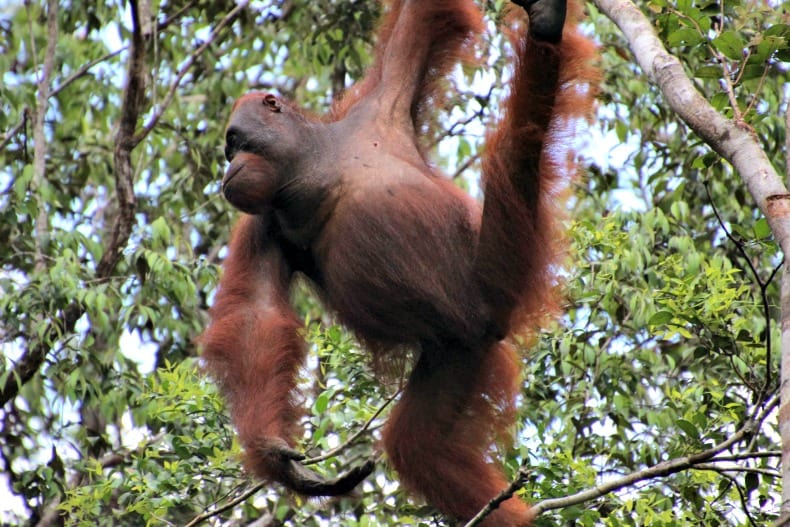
(652, 401)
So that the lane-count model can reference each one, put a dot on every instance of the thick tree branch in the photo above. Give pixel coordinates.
(787, 139)
(31, 360)
(784, 410)
(81, 72)
(125, 141)
(701, 460)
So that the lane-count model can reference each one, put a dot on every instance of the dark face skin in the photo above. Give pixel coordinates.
(302, 170)
(265, 141)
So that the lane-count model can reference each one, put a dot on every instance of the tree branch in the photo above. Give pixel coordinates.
(63, 85)
(52, 516)
(787, 138)
(491, 506)
(335, 451)
(722, 470)
(734, 142)
(661, 469)
(257, 487)
(15, 130)
(702, 460)
(84, 70)
(763, 285)
(748, 455)
(31, 360)
(784, 383)
(229, 505)
(131, 107)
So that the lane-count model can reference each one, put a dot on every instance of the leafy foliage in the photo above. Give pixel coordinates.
(668, 348)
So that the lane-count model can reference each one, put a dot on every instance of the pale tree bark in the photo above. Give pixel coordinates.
(738, 144)
(784, 389)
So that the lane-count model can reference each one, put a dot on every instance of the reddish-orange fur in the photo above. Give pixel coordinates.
(448, 27)
(405, 258)
(252, 346)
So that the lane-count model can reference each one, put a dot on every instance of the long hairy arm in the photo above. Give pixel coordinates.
(528, 163)
(253, 349)
(419, 42)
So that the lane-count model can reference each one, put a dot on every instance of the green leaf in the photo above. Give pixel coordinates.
(730, 44)
(753, 71)
(660, 318)
(708, 72)
(762, 229)
(321, 403)
(160, 232)
(684, 36)
(689, 429)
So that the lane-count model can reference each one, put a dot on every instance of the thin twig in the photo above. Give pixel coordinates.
(15, 130)
(84, 70)
(32, 359)
(452, 130)
(726, 82)
(721, 59)
(229, 505)
(756, 93)
(465, 165)
(741, 496)
(161, 108)
(762, 285)
(175, 16)
(257, 487)
(52, 515)
(491, 506)
(333, 452)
